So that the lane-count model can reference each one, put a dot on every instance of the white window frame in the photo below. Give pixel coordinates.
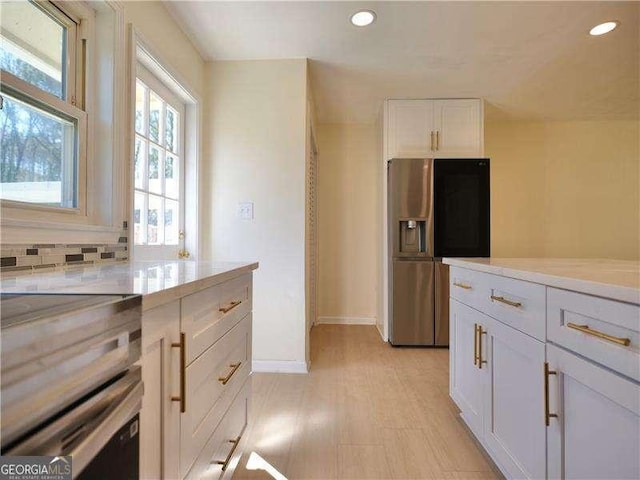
(142, 52)
(73, 94)
(168, 97)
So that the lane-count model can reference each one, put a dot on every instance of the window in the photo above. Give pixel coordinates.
(42, 127)
(158, 163)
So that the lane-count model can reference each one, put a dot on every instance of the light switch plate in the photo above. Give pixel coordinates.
(245, 210)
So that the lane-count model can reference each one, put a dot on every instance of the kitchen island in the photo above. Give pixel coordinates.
(545, 352)
(196, 355)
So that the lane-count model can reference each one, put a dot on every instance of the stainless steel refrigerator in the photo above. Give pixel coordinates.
(436, 208)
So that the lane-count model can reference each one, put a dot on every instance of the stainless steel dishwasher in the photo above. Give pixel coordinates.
(69, 384)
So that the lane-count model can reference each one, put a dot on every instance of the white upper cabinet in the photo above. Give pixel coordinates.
(435, 128)
(410, 130)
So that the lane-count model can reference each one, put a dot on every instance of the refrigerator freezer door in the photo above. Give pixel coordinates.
(412, 302)
(442, 304)
(410, 207)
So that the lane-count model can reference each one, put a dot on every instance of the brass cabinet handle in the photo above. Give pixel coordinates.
(462, 285)
(437, 140)
(225, 462)
(475, 344)
(589, 331)
(183, 374)
(432, 140)
(231, 306)
(508, 302)
(480, 333)
(234, 367)
(547, 415)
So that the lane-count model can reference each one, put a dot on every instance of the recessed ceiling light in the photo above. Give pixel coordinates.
(603, 28)
(363, 18)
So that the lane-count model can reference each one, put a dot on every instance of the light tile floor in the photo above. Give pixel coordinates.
(365, 411)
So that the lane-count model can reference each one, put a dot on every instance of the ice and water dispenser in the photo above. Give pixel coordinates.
(412, 241)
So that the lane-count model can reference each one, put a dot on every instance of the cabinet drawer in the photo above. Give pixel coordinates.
(596, 328)
(223, 449)
(468, 286)
(210, 313)
(519, 304)
(212, 381)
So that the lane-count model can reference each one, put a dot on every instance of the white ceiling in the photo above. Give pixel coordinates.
(526, 59)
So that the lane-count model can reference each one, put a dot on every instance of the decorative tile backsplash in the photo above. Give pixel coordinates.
(41, 257)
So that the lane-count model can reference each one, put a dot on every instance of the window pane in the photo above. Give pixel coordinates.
(154, 224)
(33, 46)
(37, 155)
(171, 130)
(138, 227)
(155, 111)
(141, 95)
(170, 222)
(139, 162)
(171, 188)
(155, 182)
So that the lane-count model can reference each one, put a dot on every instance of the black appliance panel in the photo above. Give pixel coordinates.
(461, 208)
(119, 459)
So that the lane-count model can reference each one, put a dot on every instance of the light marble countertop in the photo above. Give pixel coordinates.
(159, 282)
(615, 279)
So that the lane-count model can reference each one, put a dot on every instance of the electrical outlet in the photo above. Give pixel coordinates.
(245, 210)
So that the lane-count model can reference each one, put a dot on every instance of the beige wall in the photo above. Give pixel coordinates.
(558, 189)
(255, 152)
(565, 189)
(348, 221)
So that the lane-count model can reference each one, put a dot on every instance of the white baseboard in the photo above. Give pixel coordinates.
(279, 366)
(381, 332)
(346, 321)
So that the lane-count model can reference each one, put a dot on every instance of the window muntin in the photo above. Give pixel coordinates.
(41, 130)
(157, 168)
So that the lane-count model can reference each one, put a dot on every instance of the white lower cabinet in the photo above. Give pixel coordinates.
(467, 380)
(222, 452)
(160, 417)
(596, 434)
(567, 407)
(213, 380)
(196, 392)
(496, 380)
(514, 428)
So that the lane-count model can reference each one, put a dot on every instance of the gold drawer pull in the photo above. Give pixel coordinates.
(234, 367)
(585, 329)
(475, 344)
(231, 306)
(508, 302)
(183, 374)
(480, 333)
(225, 462)
(462, 285)
(547, 415)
